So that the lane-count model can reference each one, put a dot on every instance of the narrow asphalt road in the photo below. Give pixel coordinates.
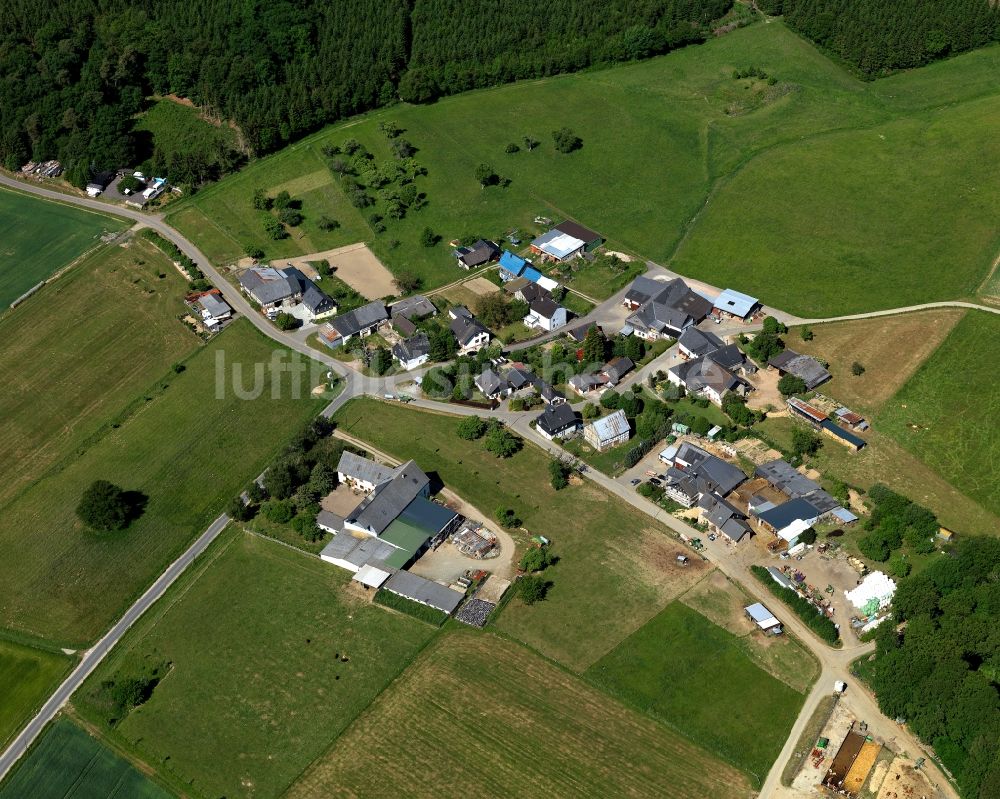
(92, 657)
(834, 663)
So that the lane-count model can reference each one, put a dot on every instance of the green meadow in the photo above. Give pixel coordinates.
(27, 676)
(820, 193)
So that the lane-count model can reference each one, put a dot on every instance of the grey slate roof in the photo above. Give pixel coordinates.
(381, 507)
(268, 285)
(353, 322)
(359, 468)
(699, 373)
(489, 382)
(580, 333)
(617, 368)
(700, 342)
(357, 551)
(403, 326)
(665, 307)
(414, 347)
(544, 308)
(483, 251)
(465, 329)
(788, 512)
(315, 300)
(214, 305)
(556, 419)
(806, 367)
(519, 378)
(415, 307)
(711, 473)
(425, 592)
(533, 292)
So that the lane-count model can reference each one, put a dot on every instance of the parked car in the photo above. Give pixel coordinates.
(654, 480)
(711, 536)
(635, 481)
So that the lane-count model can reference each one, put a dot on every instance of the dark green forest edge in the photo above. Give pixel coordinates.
(75, 73)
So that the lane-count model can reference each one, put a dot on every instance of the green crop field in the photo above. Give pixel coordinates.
(95, 338)
(187, 449)
(27, 676)
(67, 763)
(486, 713)
(271, 656)
(946, 413)
(695, 677)
(754, 181)
(40, 237)
(617, 567)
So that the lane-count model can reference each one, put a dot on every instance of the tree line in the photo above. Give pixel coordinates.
(877, 37)
(75, 73)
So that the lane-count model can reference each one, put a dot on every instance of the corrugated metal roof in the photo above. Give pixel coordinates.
(736, 303)
(425, 592)
(611, 426)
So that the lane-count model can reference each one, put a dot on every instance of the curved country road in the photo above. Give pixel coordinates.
(835, 664)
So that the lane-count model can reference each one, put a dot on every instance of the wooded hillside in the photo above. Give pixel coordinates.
(879, 36)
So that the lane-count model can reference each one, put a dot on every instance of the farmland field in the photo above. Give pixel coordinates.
(695, 677)
(67, 763)
(95, 338)
(186, 449)
(261, 681)
(27, 676)
(40, 237)
(616, 567)
(946, 414)
(513, 725)
(753, 181)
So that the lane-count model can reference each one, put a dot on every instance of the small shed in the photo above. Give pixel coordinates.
(763, 618)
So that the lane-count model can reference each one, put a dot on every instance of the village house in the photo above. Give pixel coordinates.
(513, 267)
(469, 332)
(615, 369)
(415, 307)
(531, 292)
(696, 343)
(663, 309)
(276, 290)
(479, 254)
(214, 309)
(491, 385)
(692, 473)
(412, 352)
(545, 314)
(359, 322)
(723, 518)
(608, 431)
(587, 382)
(558, 421)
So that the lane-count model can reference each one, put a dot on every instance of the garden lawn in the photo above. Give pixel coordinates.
(672, 149)
(616, 566)
(261, 681)
(94, 339)
(27, 676)
(187, 450)
(946, 414)
(696, 678)
(67, 763)
(479, 710)
(40, 237)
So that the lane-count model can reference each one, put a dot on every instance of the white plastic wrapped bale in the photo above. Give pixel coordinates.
(876, 586)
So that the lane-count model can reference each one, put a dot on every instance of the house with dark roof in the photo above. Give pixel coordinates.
(608, 431)
(531, 292)
(558, 421)
(579, 333)
(403, 326)
(359, 322)
(479, 254)
(469, 332)
(275, 289)
(519, 379)
(811, 371)
(361, 473)
(713, 368)
(615, 369)
(415, 307)
(585, 382)
(723, 518)
(491, 385)
(514, 287)
(663, 309)
(695, 343)
(388, 499)
(412, 352)
(800, 512)
(590, 238)
(795, 485)
(545, 314)
(693, 473)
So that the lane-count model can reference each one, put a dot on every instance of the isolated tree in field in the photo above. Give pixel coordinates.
(511, 148)
(791, 384)
(274, 229)
(857, 369)
(327, 223)
(407, 282)
(558, 474)
(485, 175)
(507, 517)
(290, 217)
(530, 143)
(532, 589)
(471, 428)
(104, 507)
(428, 238)
(804, 441)
(566, 141)
(537, 559)
(807, 334)
(502, 443)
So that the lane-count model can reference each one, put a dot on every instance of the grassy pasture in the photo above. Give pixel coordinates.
(692, 675)
(95, 338)
(188, 450)
(616, 567)
(67, 763)
(513, 725)
(946, 413)
(662, 137)
(40, 237)
(255, 692)
(27, 676)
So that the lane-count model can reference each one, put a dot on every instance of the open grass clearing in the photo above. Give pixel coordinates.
(40, 237)
(946, 414)
(27, 676)
(513, 725)
(616, 566)
(80, 350)
(680, 108)
(261, 681)
(695, 677)
(722, 602)
(884, 460)
(67, 763)
(186, 448)
(891, 348)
